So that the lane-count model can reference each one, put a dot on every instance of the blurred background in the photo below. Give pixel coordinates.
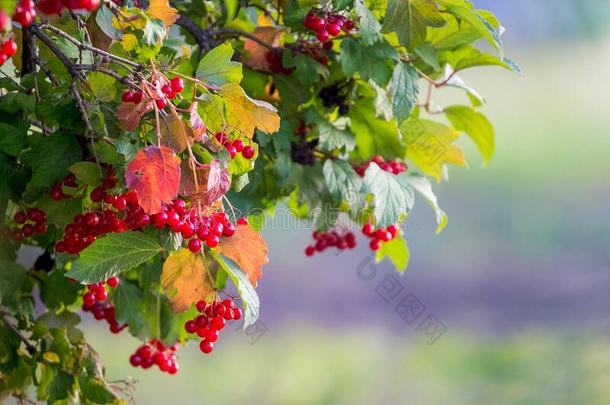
(509, 304)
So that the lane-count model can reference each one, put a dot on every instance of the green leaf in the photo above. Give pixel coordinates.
(427, 52)
(341, 179)
(87, 173)
(397, 251)
(404, 90)
(341, 4)
(422, 185)
(308, 71)
(56, 289)
(154, 32)
(453, 80)
(60, 213)
(333, 135)
(127, 300)
(468, 56)
(12, 275)
(410, 19)
(370, 62)
(15, 102)
(61, 386)
(102, 86)
(50, 157)
(369, 28)
(374, 136)
(466, 12)
(103, 18)
(12, 137)
(246, 291)
(476, 126)
(216, 68)
(112, 254)
(394, 196)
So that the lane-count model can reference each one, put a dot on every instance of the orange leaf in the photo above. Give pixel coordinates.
(154, 174)
(212, 182)
(257, 58)
(246, 113)
(175, 133)
(248, 249)
(161, 9)
(129, 114)
(185, 279)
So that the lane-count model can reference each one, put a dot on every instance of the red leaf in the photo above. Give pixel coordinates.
(154, 174)
(213, 181)
(130, 114)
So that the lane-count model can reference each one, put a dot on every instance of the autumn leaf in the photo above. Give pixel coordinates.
(197, 125)
(257, 54)
(247, 113)
(212, 182)
(430, 146)
(154, 174)
(185, 279)
(248, 249)
(175, 133)
(161, 9)
(129, 114)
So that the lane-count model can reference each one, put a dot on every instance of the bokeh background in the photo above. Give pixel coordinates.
(519, 279)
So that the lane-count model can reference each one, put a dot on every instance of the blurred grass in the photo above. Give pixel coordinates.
(305, 365)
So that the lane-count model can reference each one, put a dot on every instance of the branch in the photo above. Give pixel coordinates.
(28, 345)
(109, 72)
(202, 37)
(238, 33)
(28, 52)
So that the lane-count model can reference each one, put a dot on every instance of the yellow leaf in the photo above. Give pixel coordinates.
(175, 133)
(185, 279)
(51, 357)
(248, 249)
(129, 19)
(163, 11)
(129, 42)
(429, 145)
(245, 113)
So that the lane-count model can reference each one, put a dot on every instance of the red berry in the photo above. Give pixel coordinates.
(367, 229)
(242, 221)
(145, 351)
(236, 313)
(177, 84)
(88, 299)
(113, 281)
(28, 230)
(137, 97)
(97, 194)
(190, 326)
(128, 96)
(135, 360)
(228, 230)
(200, 305)
(310, 250)
(206, 347)
(393, 230)
(248, 152)
(349, 25)
(238, 145)
(212, 241)
(20, 217)
(375, 244)
(161, 103)
(218, 323)
(101, 295)
(212, 336)
(333, 29)
(194, 245)
(221, 137)
(231, 149)
(319, 24)
(323, 36)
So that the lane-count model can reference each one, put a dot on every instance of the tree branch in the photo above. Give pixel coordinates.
(28, 345)
(203, 37)
(238, 33)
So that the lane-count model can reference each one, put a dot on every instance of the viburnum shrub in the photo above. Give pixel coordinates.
(141, 141)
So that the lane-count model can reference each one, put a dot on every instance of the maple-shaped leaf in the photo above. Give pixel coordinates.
(430, 145)
(207, 183)
(246, 113)
(154, 174)
(130, 114)
(185, 279)
(248, 249)
(257, 54)
(175, 133)
(197, 125)
(163, 11)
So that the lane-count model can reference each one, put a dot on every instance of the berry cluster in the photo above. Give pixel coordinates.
(235, 147)
(56, 6)
(56, 192)
(157, 353)
(28, 224)
(336, 95)
(211, 319)
(379, 235)
(170, 90)
(332, 238)
(94, 301)
(302, 150)
(392, 166)
(327, 25)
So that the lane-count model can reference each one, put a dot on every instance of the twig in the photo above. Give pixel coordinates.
(238, 33)
(28, 345)
(95, 68)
